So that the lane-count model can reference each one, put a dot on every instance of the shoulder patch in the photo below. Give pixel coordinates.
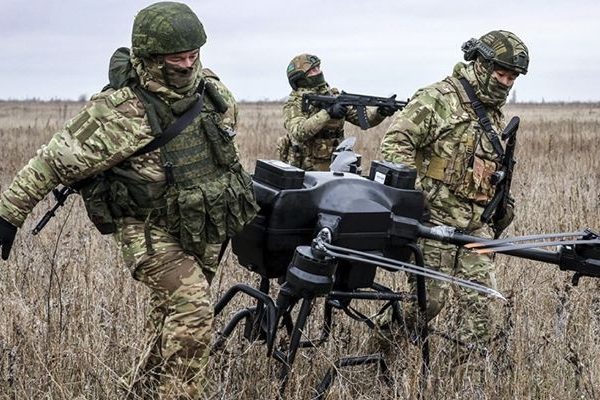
(208, 73)
(444, 87)
(120, 96)
(82, 126)
(75, 123)
(421, 115)
(86, 131)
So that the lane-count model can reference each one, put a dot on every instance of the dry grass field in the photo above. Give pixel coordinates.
(71, 317)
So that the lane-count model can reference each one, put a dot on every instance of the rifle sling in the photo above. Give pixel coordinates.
(167, 135)
(484, 120)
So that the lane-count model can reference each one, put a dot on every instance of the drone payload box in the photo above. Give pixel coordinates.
(356, 209)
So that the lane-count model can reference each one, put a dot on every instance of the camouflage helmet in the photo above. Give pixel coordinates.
(299, 66)
(501, 48)
(164, 28)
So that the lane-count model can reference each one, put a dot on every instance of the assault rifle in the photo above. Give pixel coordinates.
(496, 208)
(361, 102)
(60, 195)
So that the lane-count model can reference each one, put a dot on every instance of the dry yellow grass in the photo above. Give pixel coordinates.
(71, 318)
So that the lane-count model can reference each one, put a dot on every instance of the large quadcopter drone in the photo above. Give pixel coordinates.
(325, 234)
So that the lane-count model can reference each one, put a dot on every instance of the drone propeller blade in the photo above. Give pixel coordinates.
(343, 161)
(346, 144)
(534, 245)
(494, 243)
(356, 255)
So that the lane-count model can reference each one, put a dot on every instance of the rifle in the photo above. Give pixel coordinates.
(496, 209)
(61, 196)
(361, 102)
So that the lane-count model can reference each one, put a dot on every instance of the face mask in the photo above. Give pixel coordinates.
(178, 77)
(181, 79)
(494, 92)
(497, 90)
(315, 80)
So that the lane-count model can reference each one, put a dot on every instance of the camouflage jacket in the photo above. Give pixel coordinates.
(104, 134)
(313, 136)
(439, 134)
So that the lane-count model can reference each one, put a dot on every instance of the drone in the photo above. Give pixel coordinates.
(325, 235)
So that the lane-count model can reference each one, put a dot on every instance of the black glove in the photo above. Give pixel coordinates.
(7, 237)
(337, 110)
(386, 111)
(509, 214)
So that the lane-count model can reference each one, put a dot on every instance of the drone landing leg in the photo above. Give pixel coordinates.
(289, 358)
(422, 323)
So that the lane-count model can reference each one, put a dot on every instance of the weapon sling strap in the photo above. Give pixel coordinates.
(484, 120)
(167, 135)
(176, 127)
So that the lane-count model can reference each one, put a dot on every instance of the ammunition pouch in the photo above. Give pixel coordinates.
(472, 183)
(212, 212)
(220, 142)
(107, 199)
(324, 143)
(96, 197)
(206, 214)
(321, 149)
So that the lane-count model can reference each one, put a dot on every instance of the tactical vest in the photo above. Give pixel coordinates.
(315, 153)
(322, 145)
(467, 171)
(208, 196)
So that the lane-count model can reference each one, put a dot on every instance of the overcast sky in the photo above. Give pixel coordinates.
(60, 48)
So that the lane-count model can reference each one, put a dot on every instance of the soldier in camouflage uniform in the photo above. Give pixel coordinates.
(440, 135)
(313, 136)
(169, 209)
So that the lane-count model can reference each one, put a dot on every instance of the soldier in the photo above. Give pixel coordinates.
(440, 134)
(313, 136)
(154, 158)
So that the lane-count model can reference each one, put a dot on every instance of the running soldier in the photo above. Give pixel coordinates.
(154, 160)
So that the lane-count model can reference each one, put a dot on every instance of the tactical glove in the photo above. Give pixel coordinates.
(386, 111)
(509, 214)
(337, 110)
(7, 237)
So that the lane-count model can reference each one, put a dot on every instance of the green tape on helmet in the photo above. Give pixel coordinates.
(165, 28)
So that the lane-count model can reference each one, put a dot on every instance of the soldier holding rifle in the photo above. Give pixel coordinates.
(449, 132)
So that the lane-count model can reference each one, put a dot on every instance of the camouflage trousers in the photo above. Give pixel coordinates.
(180, 317)
(470, 314)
